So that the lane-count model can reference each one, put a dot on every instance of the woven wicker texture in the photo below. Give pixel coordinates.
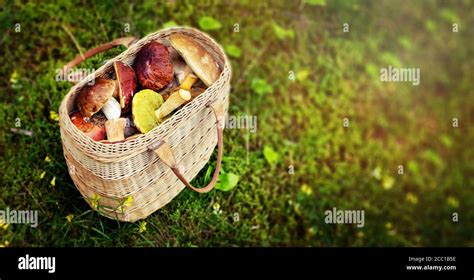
(116, 172)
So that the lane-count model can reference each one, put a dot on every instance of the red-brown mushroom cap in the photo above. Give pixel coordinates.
(94, 127)
(126, 84)
(153, 66)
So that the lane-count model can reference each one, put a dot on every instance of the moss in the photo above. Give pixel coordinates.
(301, 119)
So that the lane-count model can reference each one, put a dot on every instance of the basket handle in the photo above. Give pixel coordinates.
(165, 153)
(125, 41)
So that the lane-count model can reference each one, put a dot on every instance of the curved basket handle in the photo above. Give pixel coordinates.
(165, 153)
(125, 41)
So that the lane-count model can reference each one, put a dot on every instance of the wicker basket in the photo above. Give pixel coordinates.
(132, 179)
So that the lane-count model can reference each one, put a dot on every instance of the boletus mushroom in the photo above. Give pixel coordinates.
(144, 105)
(97, 97)
(93, 127)
(126, 84)
(115, 125)
(200, 61)
(92, 98)
(175, 100)
(180, 68)
(153, 66)
(189, 81)
(115, 129)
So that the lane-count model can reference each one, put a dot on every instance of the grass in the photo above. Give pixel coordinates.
(300, 120)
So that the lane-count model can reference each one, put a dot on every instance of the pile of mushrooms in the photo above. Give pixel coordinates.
(164, 76)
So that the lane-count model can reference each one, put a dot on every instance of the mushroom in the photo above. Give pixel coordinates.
(144, 104)
(97, 97)
(93, 97)
(115, 129)
(200, 61)
(175, 100)
(94, 127)
(112, 109)
(189, 81)
(153, 66)
(115, 126)
(126, 84)
(180, 68)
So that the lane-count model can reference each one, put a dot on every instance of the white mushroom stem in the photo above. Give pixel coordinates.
(114, 126)
(175, 100)
(112, 109)
(115, 129)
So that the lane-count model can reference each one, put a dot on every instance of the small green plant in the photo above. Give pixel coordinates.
(209, 23)
(261, 87)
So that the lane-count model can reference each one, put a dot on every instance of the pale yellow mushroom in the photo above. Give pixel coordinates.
(189, 81)
(175, 100)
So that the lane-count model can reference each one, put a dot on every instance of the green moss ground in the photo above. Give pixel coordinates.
(337, 77)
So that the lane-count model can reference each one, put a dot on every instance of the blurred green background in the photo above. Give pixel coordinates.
(301, 75)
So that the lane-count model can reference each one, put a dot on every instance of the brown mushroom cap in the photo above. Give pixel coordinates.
(126, 84)
(153, 66)
(92, 98)
(180, 68)
(200, 61)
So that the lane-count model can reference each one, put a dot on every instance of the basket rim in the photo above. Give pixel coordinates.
(205, 96)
